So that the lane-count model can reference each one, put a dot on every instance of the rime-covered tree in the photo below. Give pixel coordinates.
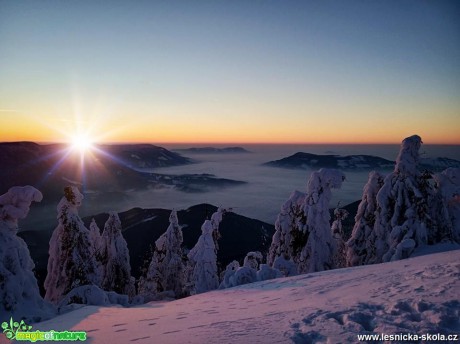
(203, 261)
(339, 259)
(250, 272)
(95, 237)
(227, 274)
(448, 213)
(289, 237)
(286, 266)
(216, 219)
(403, 216)
(19, 294)
(114, 255)
(167, 269)
(318, 253)
(71, 262)
(361, 245)
(253, 259)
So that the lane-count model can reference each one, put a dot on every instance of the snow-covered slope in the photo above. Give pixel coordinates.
(418, 295)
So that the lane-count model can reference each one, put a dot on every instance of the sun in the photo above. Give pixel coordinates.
(81, 143)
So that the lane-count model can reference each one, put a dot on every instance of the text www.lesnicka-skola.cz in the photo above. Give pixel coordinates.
(409, 337)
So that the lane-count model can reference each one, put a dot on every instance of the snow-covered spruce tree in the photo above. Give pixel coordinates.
(448, 213)
(289, 237)
(339, 259)
(71, 262)
(361, 245)
(318, 253)
(95, 237)
(216, 219)
(19, 294)
(203, 261)
(114, 255)
(166, 271)
(403, 215)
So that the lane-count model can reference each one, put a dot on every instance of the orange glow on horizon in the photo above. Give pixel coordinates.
(214, 132)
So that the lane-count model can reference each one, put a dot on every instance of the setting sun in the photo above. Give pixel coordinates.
(81, 143)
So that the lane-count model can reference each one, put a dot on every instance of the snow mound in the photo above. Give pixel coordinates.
(416, 295)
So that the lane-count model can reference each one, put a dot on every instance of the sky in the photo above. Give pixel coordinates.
(230, 71)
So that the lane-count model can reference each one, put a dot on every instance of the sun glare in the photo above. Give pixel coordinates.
(81, 143)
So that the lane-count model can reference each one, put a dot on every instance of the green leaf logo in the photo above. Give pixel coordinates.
(10, 330)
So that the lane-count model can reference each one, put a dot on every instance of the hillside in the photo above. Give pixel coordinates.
(301, 160)
(415, 296)
(142, 227)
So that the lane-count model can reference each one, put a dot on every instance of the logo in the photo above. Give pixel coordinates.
(22, 332)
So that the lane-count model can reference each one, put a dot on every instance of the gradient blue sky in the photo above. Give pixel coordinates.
(230, 71)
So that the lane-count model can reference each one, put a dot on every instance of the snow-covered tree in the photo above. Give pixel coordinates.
(228, 274)
(19, 294)
(403, 216)
(266, 272)
(339, 259)
(289, 237)
(286, 266)
(71, 262)
(253, 259)
(318, 253)
(203, 260)
(448, 190)
(95, 237)
(251, 272)
(216, 219)
(361, 245)
(114, 255)
(166, 271)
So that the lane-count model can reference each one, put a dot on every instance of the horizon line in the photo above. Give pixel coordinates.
(230, 143)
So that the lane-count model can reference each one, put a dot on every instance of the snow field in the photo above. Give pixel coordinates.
(416, 295)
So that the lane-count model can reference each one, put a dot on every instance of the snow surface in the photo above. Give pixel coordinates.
(416, 295)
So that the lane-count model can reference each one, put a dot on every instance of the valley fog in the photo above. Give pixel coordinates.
(266, 188)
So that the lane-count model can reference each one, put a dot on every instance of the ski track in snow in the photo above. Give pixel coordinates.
(417, 295)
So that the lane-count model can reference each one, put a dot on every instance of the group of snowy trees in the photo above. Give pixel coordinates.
(405, 210)
(79, 256)
(397, 214)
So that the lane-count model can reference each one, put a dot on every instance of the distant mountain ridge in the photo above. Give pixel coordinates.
(349, 162)
(107, 168)
(301, 160)
(213, 150)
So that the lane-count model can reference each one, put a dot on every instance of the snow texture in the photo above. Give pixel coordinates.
(167, 269)
(417, 295)
(71, 262)
(19, 294)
